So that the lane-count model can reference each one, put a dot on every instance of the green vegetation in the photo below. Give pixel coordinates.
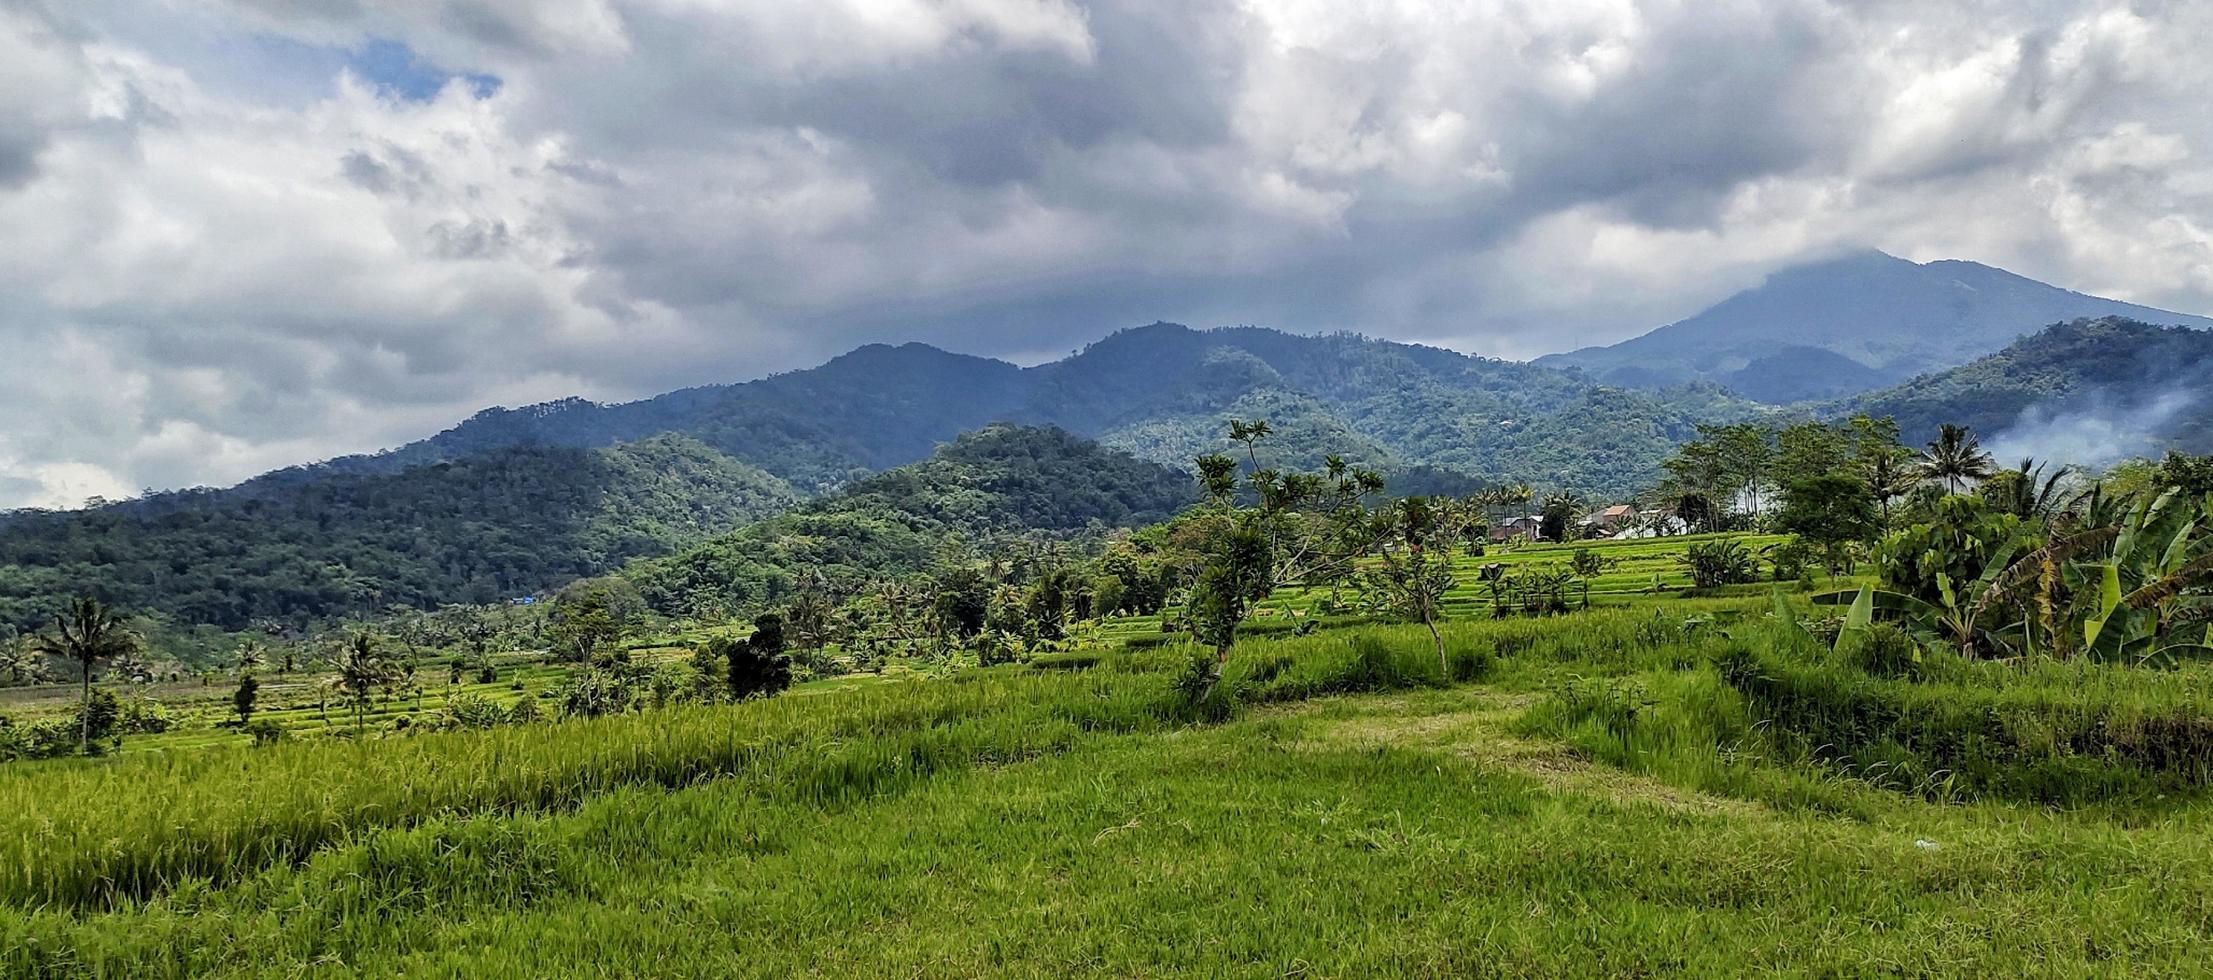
(294, 549)
(1001, 481)
(958, 718)
(2112, 367)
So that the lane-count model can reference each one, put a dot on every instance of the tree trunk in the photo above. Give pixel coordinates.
(84, 714)
(1444, 667)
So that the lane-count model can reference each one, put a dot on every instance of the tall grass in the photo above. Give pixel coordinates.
(97, 833)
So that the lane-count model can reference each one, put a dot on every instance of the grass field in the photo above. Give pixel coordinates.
(1639, 573)
(1610, 792)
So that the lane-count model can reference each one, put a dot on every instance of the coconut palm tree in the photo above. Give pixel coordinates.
(2027, 491)
(362, 669)
(87, 634)
(1956, 457)
(251, 656)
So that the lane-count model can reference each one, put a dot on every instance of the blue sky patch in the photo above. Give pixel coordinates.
(397, 70)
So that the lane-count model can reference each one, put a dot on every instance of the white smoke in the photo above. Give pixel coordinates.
(2093, 432)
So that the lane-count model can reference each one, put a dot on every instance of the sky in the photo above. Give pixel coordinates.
(243, 234)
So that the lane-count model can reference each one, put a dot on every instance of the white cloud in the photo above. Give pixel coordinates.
(227, 244)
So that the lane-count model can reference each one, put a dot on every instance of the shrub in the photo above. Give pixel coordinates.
(1588, 563)
(1713, 564)
(265, 732)
(1792, 561)
(524, 712)
(469, 710)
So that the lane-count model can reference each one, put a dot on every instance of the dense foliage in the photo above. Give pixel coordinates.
(2146, 379)
(1002, 480)
(478, 529)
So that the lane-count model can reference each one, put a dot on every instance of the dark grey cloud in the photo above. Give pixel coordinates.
(229, 245)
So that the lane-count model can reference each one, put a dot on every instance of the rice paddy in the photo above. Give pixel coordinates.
(1604, 792)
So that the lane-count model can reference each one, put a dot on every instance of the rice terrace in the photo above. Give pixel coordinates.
(726, 488)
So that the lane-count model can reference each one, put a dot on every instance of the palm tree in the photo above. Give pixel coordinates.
(2028, 491)
(87, 634)
(1956, 456)
(251, 656)
(1890, 475)
(361, 670)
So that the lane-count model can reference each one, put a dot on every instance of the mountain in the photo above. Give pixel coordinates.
(1002, 479)
(2085, 391)
(872, 408)
(290, 548)
(1162, 392)
(516, 501)
(1851, 324)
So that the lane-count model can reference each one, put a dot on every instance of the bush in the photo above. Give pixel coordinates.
(265, 732)
(525, 712)
(1792, 561)
(1587, 563)
(469, 710)
(142, 716)
(1713, 564)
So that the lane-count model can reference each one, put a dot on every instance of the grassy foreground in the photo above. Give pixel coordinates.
(1595, 795)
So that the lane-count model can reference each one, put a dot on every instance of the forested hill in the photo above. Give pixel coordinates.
(475, 529)
(2132, 387)
(1851, 324)
(516, 500)
(1161, 392)
(1003, 479)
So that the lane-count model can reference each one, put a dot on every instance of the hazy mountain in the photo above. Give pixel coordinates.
(2086, 391)
(1163, 392)
(1851, 324)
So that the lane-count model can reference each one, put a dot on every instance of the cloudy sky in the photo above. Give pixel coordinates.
(239, 234)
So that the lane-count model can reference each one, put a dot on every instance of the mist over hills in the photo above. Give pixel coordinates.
(1850, 324)
(2085, 391)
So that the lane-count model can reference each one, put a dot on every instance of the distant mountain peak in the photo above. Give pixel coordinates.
(1877, 318)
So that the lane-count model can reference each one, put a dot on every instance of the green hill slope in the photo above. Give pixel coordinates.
(1001, 479)
(477, 529)
(2108, 387)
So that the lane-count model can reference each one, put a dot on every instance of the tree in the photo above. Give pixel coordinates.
(757, 667)
(87, 634)
(1748, 453)
(249, 656)
(361, 667)
(963, 599)
(1250, 433)
(1412, 578)
(2193, 475)
(580, 627)
(1881, 462)
(1301, 527)
(15, 661)
(1956, 457)
(1556, 521)
(810, 619)
(1831, 512)
(1237, 572)
(242, 700)
(2027, 491)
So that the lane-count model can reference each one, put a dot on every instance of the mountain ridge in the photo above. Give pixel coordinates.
(1891, 317)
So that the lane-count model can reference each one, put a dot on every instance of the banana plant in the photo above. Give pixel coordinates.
(2127, 591)
(1955, 620)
